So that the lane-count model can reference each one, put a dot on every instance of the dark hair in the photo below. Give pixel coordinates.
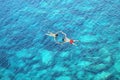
(63, 39)
(56, 35)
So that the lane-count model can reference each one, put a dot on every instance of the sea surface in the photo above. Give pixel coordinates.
(27, 53)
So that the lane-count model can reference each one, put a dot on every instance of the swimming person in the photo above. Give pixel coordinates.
(65, 38)
(54, 35)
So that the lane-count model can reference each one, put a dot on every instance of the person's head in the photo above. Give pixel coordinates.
(63, 40)
(56, 35)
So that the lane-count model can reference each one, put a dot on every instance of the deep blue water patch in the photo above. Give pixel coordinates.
(4, 62)
(26, 53)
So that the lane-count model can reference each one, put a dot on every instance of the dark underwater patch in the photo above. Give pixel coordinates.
(4, 62)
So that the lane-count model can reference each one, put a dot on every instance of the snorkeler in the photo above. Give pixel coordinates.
(65, 39)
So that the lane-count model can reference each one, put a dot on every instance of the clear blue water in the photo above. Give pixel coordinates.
(26, 53)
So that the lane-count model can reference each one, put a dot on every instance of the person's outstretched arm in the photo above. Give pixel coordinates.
(48, 33)
(51, 34)
(62, 33)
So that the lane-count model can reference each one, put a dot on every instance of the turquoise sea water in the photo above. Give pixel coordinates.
(26, 53)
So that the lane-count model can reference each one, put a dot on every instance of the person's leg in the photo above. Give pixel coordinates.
(76, 40)
(74, 44)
